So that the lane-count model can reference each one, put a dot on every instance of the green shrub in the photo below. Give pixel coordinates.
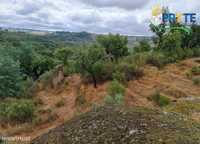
(142, 47)
(37, 121)
(172, 47)
(171, 41)
(119, 76)
(189, 74)
(170, 58)
(140, 59)
(109, 100)
(29, 88)
(163, 101)
(178, 54)
(46, 79)
(156, 59)
(130, 71)
(70, 68)
(188, 53)
(196, 52)
(67, 70)
(196, 80)
(116, 93)
(159, 99)
(107, 70)
(195, 70)
(14, 110)
(115, 88)
(117, 99)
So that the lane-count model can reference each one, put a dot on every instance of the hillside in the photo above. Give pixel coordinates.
(99, 72)
(46, 83)
(170, 81)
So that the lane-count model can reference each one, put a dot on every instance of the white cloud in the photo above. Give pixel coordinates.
(125, 4)
(98, 16)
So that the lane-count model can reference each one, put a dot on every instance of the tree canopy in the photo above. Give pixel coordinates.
(115, 45)
(89, 62)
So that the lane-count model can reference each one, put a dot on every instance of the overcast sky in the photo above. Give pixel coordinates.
(97, 16)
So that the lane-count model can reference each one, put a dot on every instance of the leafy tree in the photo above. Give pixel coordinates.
(40, 65)
(89, 61)
(32, 63)
(25, 56)
(63, 55)
(10, 77)
(115, 45)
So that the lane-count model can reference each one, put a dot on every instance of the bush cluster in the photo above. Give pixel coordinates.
(156, 59)
(193, 74)
(196, 80)
(17, 110)
(195, 70)
(125, 71)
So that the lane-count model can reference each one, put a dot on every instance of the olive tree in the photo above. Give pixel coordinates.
(89, 62)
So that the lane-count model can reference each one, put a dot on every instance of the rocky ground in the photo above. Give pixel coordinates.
(119, 125)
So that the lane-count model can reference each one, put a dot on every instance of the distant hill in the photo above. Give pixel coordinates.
(61, 37)
(77, 37)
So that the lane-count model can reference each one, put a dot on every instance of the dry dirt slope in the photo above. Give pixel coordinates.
(170, 81)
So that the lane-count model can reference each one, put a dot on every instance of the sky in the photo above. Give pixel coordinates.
(129, 17)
